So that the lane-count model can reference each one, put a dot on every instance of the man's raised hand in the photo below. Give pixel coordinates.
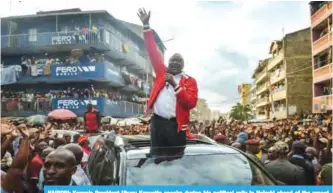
(144, 16)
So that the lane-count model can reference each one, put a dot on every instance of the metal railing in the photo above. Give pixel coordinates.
(56, 38)
(101, 38)
(262, 100)
(25, 104)
(133, 108)
(278, 89)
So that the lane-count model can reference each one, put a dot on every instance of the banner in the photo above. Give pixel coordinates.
(77, 105)
(188, 189)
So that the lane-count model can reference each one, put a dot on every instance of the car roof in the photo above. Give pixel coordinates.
(191, 149)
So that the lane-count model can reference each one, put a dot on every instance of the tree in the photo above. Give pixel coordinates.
(240, 112)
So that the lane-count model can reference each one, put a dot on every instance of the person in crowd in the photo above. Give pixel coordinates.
(59, 167)
(44, 154)
(241, 139)
(252, 148)
(84, 143)
(271, 155)
(80, 177)
(311, 153)
(282, 169)
(12, 180)
(172, 97)
(92, 119)
(67, 138)
(298, 158)
(35, 165)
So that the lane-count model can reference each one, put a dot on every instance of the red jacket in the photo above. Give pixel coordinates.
(186, 91)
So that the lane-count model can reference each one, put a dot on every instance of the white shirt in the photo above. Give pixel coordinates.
(165, 104)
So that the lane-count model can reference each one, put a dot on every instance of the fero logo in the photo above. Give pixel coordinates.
(73, 70)
(74, 103)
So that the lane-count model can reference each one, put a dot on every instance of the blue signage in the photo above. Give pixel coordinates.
(77, 71)
(105, 106)
(77, 105)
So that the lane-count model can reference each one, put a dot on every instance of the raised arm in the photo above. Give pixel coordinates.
(150, 44)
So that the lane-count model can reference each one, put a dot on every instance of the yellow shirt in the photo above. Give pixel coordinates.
(259, 155)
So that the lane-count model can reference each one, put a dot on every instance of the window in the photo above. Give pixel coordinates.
(214, 169)
(107, 36)
(32, 32)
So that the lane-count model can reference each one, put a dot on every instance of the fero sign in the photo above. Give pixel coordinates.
(66, 39)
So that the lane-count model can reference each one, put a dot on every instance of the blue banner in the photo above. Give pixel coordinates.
(77, 105)
(89, 71)
(189, 189)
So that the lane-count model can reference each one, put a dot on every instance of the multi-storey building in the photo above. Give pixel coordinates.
(253, 99)
(261, 91)
(290, 74)
(201, 112)
(72, 49)
(282, 79)
(244, 90)
(321, 33)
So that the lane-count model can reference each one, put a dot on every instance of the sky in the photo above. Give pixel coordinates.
(221, 41)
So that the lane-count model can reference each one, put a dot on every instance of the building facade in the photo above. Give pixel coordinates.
(321, 34)
(74, 50)
(244, 90)
(281, 79)
(201, 112)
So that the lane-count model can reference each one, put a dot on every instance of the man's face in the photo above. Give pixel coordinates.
(175, 65)
(67, 137)
(56, 170)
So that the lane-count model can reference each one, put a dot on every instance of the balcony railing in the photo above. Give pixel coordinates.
(323, 73)
(43, 105)
(262, 101)
(321, 14)
(262, 88)
(58, 38)
(24, 104)
(322, 43)
(277, 76)
(49, 41)
(275, 61)
(261, 76)
(279, 93)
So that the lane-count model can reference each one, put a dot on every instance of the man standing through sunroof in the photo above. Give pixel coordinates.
(173, 94)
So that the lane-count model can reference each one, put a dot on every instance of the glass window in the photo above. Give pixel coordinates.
(107, 36)
(216, 169)
(32, 34)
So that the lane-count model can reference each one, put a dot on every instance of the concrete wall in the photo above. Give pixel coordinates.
(298, 60)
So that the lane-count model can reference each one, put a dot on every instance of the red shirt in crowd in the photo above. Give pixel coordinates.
(34, 167)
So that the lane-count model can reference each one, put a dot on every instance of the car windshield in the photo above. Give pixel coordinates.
(226, 169)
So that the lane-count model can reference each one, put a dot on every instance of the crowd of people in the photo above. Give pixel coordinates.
(294, 151)
(30, 100)
(33, 157)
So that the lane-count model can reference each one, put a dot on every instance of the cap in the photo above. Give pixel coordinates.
(82, 139)
(252, 142)
(281, 147)
(299, 144)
